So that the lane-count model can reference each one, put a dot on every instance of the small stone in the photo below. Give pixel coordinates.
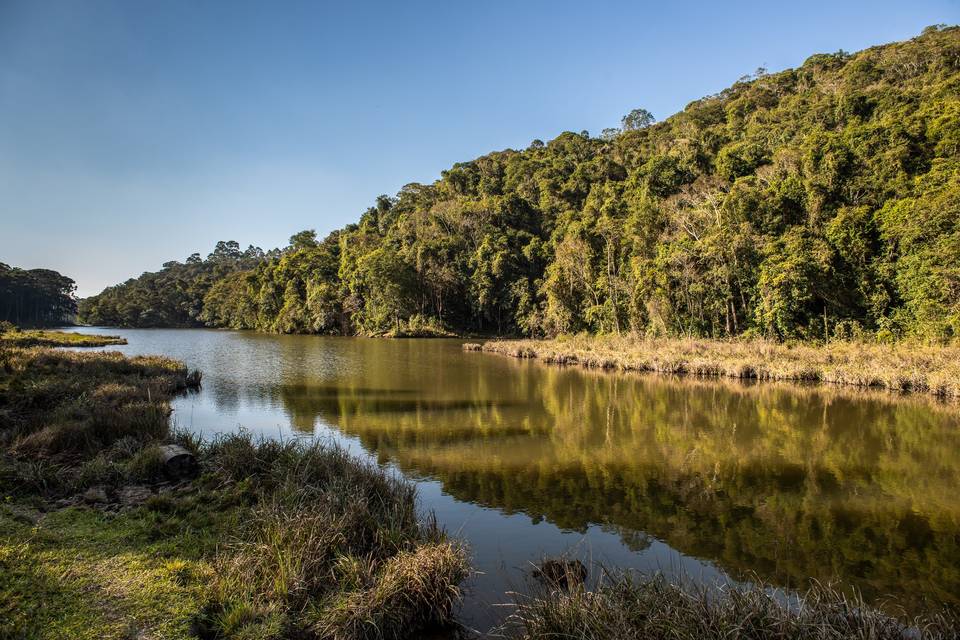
(134, 495)
(96, 495)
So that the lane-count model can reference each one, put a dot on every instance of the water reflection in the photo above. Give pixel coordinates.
(780, 481)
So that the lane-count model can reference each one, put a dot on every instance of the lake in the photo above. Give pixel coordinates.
(706, 480)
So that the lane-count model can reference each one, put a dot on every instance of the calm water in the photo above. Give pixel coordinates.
(711, 480)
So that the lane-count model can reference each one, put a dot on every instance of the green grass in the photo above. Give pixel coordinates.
(40, 338)
(80, 573)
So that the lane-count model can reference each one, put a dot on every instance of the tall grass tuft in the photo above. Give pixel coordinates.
(630, 607)
(333, 544)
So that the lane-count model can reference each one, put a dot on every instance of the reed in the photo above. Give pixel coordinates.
(627, 607)
(898, 367)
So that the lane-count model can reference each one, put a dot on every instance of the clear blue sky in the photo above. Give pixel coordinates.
(135, 132)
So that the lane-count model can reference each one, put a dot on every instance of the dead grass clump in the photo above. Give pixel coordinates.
(897, 367)
(333, 545)
(651, 607)
(413, 590)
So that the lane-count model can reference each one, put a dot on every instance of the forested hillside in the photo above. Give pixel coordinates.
(816, 202)
(172, 297)
(35, 297)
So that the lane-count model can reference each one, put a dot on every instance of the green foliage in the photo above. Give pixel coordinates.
(171, 297)
(793, 204)
(35, 297)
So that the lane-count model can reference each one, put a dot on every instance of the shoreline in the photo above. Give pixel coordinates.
(270, 539)
(902, 368)
(112, 524)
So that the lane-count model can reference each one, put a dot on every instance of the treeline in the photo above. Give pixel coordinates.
(174, 296)
(816, 202)
(35, 297)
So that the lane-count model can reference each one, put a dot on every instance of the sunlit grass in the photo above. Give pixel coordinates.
(273, 540)
(898, 367)
(625, 606)
(40, 338)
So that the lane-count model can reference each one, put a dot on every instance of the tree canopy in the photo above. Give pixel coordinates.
(815, 202)
(35, 297)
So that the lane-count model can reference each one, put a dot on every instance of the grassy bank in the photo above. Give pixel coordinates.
(898, 367)
(267, 540)
(13, 337)
(627, 607)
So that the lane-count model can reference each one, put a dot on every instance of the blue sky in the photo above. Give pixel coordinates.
(135, 132)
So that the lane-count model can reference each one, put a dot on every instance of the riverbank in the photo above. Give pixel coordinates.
(898, 367)
(283, 539)
(101, 538)
(13, 337)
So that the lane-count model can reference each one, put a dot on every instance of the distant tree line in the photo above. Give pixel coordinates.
(173, 296)
(817, 202)
(35, 297)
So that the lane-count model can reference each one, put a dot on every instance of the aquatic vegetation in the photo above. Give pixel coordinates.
(624, 606)
(898, 367)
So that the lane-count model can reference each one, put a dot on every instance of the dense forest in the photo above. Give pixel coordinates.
(817, 202)
(35, 297)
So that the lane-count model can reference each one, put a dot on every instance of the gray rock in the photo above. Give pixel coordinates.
(96, 494)
(133, 495)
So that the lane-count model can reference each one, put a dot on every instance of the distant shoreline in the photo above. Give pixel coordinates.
(902, 367)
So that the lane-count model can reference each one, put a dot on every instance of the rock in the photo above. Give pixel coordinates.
(178, 462)
(133, 495)
(23, 515)
(561, 573)
(96, 494)
(63, 503)
(472, 346)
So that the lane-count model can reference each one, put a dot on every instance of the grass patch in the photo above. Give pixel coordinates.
(331, 547)
(13, 337)
(80, 573)
(626, 607)
(59, 410)
(897, 367)
(272, 540)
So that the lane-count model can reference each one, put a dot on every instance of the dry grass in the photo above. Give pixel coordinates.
(634, 608)
(37, 338)
(898, 367)
(60, 404)
(333, 548)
